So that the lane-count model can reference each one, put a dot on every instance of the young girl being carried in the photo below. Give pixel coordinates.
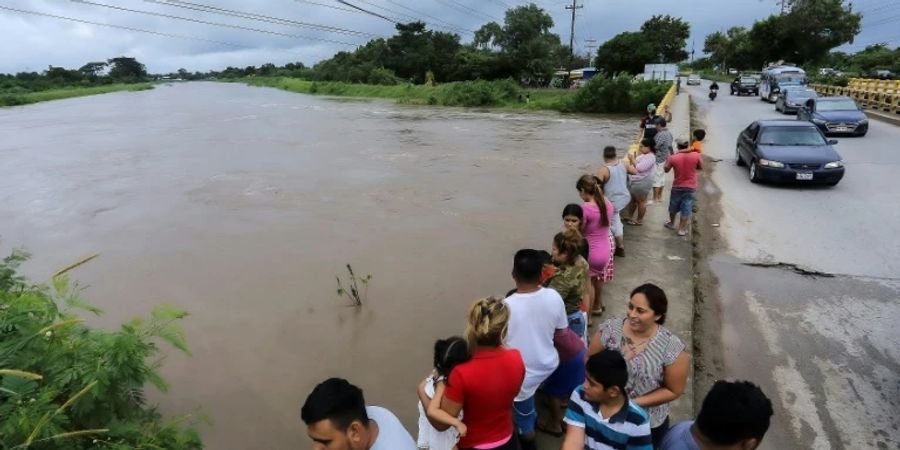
(448, 353)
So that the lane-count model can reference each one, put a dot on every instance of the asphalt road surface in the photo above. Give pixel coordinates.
(816, 326)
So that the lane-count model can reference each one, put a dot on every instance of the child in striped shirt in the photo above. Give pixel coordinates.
(600, 415)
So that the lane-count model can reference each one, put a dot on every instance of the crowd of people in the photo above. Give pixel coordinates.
(607, 389)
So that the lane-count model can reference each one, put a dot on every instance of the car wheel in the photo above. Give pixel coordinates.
(737, 157)
(754, 173)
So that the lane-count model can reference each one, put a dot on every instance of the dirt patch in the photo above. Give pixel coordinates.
(707, 350)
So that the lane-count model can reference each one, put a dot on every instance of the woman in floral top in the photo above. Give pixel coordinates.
(657, 364)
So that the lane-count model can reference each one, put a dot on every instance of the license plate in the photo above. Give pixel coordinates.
(842, 129)
(804, 176)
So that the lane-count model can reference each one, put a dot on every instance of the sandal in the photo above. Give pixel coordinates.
(633, 222)
(598, 312)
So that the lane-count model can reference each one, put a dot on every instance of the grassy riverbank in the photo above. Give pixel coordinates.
(599, 96)
(24, 98)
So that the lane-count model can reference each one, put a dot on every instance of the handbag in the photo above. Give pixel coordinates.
(567, 344)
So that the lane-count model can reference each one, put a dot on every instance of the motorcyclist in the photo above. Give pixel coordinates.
(714, 86)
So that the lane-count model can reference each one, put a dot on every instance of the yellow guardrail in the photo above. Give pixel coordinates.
(881, 95)
(664, 104)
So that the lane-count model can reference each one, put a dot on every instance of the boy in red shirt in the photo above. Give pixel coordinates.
(686, 162)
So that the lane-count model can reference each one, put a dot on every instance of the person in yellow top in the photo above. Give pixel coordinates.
(697, 144)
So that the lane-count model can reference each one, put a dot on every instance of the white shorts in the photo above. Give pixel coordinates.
(659, 179)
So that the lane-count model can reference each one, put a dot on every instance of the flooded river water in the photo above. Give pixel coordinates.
(241, 205)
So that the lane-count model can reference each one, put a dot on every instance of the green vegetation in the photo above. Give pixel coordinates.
(661, 39)
(599, 95)
(65, 385)
(13, 99)
(116, 74)
(522, 48)
(805, 35)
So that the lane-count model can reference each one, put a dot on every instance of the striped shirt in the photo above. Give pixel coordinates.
(628, 429)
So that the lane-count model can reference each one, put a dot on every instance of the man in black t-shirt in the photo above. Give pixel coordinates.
(648, 122)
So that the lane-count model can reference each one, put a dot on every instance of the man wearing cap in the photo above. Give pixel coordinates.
(686, 162)
(648, 122)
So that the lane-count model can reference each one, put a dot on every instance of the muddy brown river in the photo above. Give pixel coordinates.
(241, 204)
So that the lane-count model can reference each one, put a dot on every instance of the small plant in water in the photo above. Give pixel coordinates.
(353, 283)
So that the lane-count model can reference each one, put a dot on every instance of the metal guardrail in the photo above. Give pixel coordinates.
(879, 95)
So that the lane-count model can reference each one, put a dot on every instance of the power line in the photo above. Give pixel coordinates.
(122, 27)
(453, 4)
(325, 5)
(217, 24)
(412, 18)
(258, 17)
(451, 26)
(371, 13)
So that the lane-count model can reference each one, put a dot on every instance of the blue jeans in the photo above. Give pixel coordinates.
(576, 323)
(681, 200)
(525, 416)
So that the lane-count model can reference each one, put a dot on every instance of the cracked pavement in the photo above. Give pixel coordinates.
(808, 287)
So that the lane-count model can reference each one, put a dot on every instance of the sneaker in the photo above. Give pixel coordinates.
(669, 225)
(682, 232)
(649, 202)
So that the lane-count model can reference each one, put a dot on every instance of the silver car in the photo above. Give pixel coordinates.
(790, 100)
(693, 80)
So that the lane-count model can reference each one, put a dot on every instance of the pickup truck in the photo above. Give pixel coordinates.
(745, 85)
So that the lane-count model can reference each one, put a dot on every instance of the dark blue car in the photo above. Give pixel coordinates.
(788, 151)
(835, 115)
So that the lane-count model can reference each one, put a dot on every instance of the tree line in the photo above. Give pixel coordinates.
(121, 69)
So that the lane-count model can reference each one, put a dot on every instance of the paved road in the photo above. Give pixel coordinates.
(825, 348)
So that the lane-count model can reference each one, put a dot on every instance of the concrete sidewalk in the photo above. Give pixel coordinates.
(656, 255)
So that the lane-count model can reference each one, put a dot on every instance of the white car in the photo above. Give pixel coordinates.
(693, 80)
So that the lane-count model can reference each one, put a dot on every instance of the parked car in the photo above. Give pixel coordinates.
(790, 100)
(788, 151)
(835, 115)
(882, 74)
(693, 80)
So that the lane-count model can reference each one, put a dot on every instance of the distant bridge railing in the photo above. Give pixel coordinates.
(879, 95)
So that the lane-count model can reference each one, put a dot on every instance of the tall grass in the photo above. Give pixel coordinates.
(20, 98)
(600, 95)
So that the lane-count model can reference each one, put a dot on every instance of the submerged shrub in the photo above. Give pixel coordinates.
(480, 93)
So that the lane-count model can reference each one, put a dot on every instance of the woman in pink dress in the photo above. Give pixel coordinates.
(595, 228)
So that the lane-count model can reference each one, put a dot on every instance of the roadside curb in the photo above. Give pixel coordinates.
(893, 119)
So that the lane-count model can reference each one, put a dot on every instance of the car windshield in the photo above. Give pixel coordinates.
(790, 136)
(694, 77)
(802, 95)
(837, 105)
(748, 80)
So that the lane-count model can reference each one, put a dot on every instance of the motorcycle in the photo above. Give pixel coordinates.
(712, 94)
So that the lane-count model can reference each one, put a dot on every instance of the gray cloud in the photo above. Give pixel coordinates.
(30, 42)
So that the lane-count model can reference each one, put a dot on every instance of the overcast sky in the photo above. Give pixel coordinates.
(31, 43)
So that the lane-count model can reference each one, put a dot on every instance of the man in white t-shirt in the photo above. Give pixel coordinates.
(535, 315)
(337, 418)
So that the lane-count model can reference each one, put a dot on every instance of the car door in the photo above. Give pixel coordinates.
(747, 142)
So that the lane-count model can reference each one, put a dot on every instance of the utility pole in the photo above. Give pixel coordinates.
(783, 7)
(575, 6)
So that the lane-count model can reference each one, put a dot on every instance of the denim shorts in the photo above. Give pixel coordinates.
(681, 200)
(525, 416)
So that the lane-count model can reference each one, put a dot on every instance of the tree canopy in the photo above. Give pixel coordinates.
(661, 39)
(804, 35)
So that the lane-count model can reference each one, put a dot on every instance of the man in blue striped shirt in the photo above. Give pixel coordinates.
(600, 415)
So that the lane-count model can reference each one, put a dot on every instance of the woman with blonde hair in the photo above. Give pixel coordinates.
(484, 387)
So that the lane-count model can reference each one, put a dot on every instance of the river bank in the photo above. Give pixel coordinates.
(17, 99)
(600, 96)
